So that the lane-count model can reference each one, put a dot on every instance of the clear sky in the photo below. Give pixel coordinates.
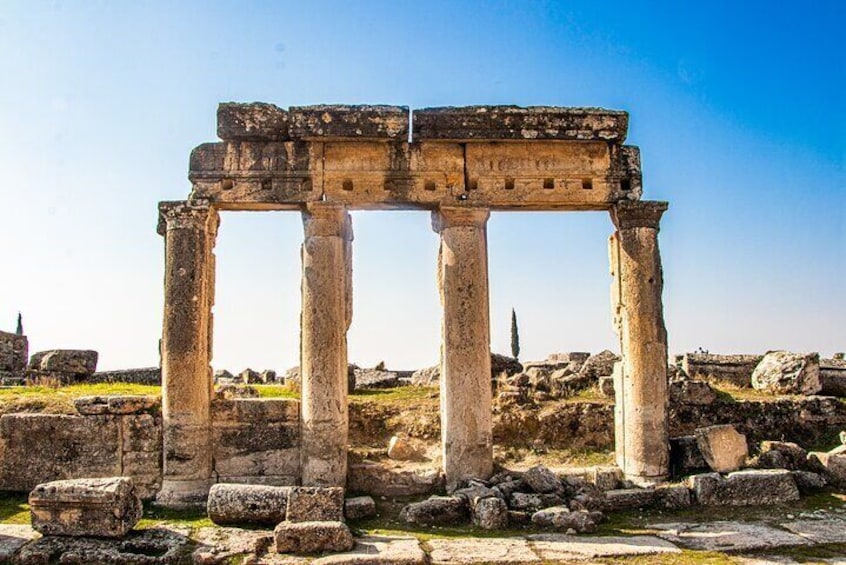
(738, 108)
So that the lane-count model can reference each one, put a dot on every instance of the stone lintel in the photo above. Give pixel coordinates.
(343, 121)
(327, 219)
(254, 121)
(454, 216)
(180, 214)
(628, 214)
(471, 123)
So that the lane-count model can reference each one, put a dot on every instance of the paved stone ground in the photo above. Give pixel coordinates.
(214, 545)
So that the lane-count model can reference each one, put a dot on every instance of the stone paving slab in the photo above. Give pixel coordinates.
(557, 547)
(781, 560)
(216, 544)
(819, 531)
(378, 550)
(727, 536)
(481, 550)
(13, 537)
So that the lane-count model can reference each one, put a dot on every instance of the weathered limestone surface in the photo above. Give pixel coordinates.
(359, 156)
(475, 550)
(734, 369)
(324, 322)
(359, 507)
(513, 122)
(14, 352)
(641, 412)
(142, 376)
(312, 537)
(566, 548)
(465, 364)
(256, 440)
(247, 504)
(12, 538)
(744, 488)
(783, 372)
(722, 447)
(107, 507)
(73, 361)
(38, 448)
(315, 504)
(727, 536)
(382, 480)
(189, 233)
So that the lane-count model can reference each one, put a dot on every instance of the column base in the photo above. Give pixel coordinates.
(644, 481)
(180, 495)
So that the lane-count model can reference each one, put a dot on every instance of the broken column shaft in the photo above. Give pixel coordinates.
(465, 351)
(641, 412)
(189, 233)
(326, 313)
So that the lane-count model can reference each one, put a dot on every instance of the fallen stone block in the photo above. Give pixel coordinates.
(606, 478)
(312, 537)
(692, 392)
(359, 507)
(733, 369)
(230, 504)
(808, 482)
(531, 502)
(382, 479)
(107, 507)
(833, 465)
(562, 518)
(490, 513)
(74, 361)
(599, 365)
(542, 480)
(722, 447)
(672, 497)
(222, 546)
(628, 498)
(783, 372)
(249, 377)
(404, 449)
(744, 488)
(161, 544)
(606, 386)
(315, 504)
(436, 511)
(782, 455)
(14, 350)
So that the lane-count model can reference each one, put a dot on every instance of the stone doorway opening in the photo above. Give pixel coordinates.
(259, 329)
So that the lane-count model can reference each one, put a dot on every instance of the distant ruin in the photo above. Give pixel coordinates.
(459, 164)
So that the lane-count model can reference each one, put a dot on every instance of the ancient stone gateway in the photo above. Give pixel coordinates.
(460, 164)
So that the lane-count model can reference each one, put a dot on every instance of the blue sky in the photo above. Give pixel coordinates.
(738, 108)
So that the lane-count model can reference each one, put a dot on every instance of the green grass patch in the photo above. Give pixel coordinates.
(156, 516)
(14, 509)
(276, 391)
(686, 557)
(60, 400)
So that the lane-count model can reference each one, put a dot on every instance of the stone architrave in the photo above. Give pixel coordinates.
(189, 232)
(326, 314)
(465, 350)
(642, 444)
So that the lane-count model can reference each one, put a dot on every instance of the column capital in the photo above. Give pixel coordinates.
(180, 214)
(454, 216)
(629, 214)
(327, 219)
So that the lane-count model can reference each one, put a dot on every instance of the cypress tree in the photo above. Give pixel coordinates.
(515, 336)
(20, 329)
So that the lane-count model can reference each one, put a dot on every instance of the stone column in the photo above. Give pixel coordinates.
(641, 414)
(465, 348)
(189, 233)
(326, 314)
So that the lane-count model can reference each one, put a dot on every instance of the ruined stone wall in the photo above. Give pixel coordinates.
(109, 437)
(255, 441)
(14, 352)
(733, 369)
